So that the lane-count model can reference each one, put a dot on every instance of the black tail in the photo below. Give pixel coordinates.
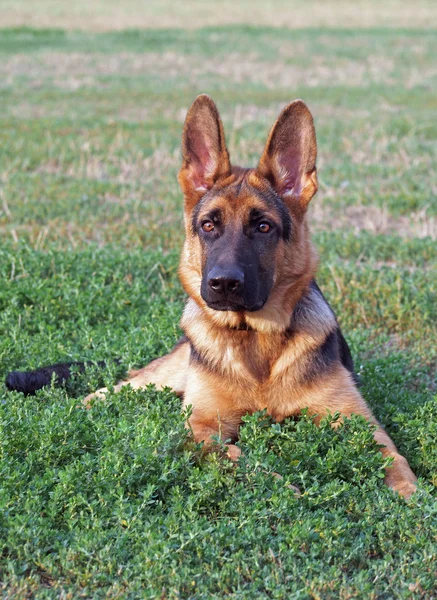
(28, 382)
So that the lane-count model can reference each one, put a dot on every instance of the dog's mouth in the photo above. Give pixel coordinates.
(225, 305)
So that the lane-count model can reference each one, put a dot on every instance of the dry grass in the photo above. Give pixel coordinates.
(79, 70)
(138, 170)
(100, 15)
(143, 178)
(418, 224)
(364, 147)
(378, 157)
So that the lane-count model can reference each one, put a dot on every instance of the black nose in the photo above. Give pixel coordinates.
(225, 281)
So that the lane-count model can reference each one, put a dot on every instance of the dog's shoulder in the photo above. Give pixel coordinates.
(314, 316)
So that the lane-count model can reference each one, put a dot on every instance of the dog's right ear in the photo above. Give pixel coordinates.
(205, 157)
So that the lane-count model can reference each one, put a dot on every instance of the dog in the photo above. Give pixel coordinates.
(258, 332)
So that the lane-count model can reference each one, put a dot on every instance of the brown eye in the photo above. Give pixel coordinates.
(208, 226)
(263, 227)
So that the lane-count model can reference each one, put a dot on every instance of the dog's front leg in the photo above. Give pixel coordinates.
(170, 371)
(206, 426)
(338, 393)
(213, 414)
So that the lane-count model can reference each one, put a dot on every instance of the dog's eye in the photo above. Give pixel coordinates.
(263, 227)
(208, 226)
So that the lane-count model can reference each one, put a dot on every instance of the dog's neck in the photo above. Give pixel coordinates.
(223, 347)
(309, 313)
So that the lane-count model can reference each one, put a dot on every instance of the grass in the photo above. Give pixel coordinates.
(117, 502)
(109, 14)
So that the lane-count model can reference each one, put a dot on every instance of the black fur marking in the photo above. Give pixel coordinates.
(238, 185)
(345, 355)
(199, 359)
(285, 217)
(321, 361)
(29, 382)
(195, 356)
(182, 340)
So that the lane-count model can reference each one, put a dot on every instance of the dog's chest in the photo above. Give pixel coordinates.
(256, 362)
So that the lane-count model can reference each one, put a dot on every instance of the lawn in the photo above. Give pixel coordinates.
(116, 501)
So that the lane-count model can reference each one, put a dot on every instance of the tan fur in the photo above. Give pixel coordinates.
(257, 360)
(167, 371)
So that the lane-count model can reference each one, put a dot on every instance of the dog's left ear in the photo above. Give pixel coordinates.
(205, 157)
(289, 157)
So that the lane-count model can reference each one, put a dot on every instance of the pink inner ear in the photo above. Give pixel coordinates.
(201, 165)
(289, 175)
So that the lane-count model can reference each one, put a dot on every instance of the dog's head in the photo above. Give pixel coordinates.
(247, 242)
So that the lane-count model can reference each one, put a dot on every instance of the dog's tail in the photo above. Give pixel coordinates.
(28, 382)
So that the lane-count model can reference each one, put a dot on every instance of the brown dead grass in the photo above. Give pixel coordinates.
(73, 71)
(325, 217)
(133, 169)
(100, 15)
(138, 170)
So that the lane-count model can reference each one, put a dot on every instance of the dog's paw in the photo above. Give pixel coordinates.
(400, 477)
(233, 452)
(405, 489)
(99, 395)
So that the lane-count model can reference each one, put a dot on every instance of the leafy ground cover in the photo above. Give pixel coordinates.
(116, 501)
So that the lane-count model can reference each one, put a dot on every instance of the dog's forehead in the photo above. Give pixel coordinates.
(241, 196)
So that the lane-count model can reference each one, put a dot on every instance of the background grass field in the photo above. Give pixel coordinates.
(115, 502)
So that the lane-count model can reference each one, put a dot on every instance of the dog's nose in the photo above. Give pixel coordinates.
(226, 281)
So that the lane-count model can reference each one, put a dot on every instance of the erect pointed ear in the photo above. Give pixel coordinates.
(289, 158)
(205, 157)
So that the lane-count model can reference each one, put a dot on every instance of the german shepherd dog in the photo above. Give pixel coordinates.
(258, 332)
